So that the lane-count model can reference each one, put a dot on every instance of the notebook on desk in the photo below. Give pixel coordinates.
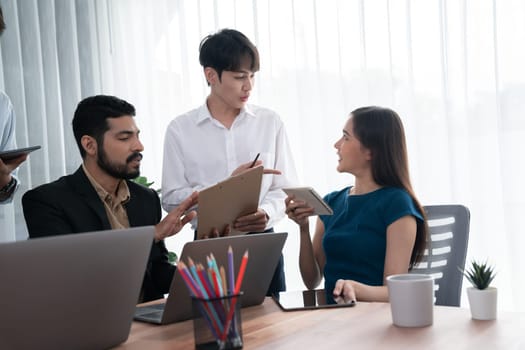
(264, 250)
(75, 291)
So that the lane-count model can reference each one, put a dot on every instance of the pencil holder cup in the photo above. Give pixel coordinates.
(217, 322)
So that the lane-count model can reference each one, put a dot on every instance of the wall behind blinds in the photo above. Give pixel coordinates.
(452, 69)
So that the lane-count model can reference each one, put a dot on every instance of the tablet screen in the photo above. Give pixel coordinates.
(304, 299)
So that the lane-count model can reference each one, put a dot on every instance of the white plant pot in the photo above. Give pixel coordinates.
(483, 303)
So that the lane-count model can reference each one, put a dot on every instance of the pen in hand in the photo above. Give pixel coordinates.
(255, 160)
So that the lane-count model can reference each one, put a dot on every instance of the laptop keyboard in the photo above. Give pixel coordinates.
(155, 315)
(150, 313)
(158, 307)
(150, 310)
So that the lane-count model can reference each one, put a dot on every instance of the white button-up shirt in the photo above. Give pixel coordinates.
(7, 132)
(199, 152)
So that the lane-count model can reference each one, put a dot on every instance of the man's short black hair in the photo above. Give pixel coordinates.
(91, 114)
(228, 50)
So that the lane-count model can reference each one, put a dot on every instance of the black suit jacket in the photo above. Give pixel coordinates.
(72, 205)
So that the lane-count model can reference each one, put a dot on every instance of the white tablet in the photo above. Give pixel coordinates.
(15, 153)
(312, 198)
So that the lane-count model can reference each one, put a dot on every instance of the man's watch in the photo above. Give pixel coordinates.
(8, 189)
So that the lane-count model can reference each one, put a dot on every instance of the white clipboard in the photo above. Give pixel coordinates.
(221, 204)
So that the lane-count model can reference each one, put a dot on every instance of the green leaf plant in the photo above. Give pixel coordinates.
(143, 180)
(479, 274)
(172, 258)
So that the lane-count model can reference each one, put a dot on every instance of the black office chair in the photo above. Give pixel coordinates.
(447, 251)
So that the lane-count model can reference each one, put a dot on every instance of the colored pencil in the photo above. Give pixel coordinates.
(205, 281)
(238, 284)
(240, 276)
(193, 270)
(217, 273)
(222, 273)
(208, 294)
(210, 284)
(215, 281)
(231, 270)
(186, 276)
(207, 313)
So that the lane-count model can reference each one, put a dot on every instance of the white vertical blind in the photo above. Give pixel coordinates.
(452, 69)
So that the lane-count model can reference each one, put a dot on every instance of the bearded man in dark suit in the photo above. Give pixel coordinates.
(100, 195)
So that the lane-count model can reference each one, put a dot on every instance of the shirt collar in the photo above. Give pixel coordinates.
(204, 113)
(122, 196)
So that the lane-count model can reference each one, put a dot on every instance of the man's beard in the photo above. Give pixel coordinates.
(119, 171)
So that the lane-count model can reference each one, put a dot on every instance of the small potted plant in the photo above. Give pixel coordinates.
(483, 298)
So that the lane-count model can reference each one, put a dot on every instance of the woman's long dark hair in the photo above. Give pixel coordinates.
(381, 131)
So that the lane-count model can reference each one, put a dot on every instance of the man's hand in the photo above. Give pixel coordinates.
(247, 166)
(177, 218)
(255, 222)
(7, 167)
(215, 232)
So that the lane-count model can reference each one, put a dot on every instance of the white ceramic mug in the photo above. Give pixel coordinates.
(411, 299)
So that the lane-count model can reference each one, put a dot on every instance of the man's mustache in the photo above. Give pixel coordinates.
(134, 156)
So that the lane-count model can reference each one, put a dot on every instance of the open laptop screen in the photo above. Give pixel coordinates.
(264, 250)
(75, 291)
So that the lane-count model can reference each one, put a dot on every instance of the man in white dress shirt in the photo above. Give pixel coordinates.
(224, 136)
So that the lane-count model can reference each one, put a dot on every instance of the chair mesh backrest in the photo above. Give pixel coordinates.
(446, 251)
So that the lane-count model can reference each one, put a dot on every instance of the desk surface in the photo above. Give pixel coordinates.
(365, 326)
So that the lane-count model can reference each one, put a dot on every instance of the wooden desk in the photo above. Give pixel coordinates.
(365, 326)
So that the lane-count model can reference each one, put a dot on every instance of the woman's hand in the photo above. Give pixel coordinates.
(298, 211)
(344, 292)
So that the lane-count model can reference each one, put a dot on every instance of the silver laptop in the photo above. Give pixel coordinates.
(264, 251)
(75, 291)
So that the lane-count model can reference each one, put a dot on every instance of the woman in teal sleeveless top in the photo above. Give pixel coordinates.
(378, 227)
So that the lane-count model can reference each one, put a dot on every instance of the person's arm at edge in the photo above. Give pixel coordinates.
(311, 254)
(10, 143)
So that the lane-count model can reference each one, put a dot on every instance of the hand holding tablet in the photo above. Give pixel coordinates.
(312, 199)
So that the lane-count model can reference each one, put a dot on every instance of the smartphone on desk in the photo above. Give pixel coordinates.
(305, 300)
(312, 199)
(15, 153)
